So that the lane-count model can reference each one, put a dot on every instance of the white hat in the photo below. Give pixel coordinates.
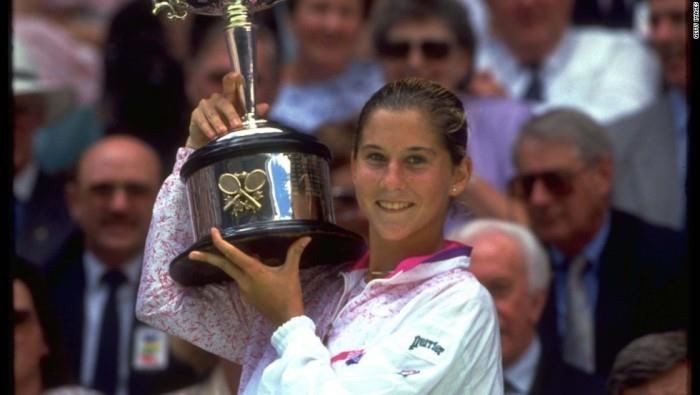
(26, 80)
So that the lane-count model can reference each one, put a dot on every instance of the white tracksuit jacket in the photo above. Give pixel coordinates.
(429, 327)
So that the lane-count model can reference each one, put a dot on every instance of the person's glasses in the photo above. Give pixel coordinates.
(559, 183)
(431, 49)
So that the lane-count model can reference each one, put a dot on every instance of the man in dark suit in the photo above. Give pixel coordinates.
(651, 146)
(41, 220)
(616, 277)
(94, 280)
(510, 262)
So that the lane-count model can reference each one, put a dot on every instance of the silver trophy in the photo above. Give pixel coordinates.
(264, 185)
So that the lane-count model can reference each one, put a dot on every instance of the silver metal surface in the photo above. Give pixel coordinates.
(296, 188)
(240, 42)
(209, 7)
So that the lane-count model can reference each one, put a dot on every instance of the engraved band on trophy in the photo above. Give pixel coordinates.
(263, 185)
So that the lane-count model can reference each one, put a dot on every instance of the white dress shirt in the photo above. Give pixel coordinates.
(603, 72)
(96, 295)
(521, 374)
(23, 182)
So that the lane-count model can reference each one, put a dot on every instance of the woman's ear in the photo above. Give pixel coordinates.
(461, 176)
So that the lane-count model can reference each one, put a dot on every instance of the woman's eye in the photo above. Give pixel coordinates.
(375, 157)
(415, 160)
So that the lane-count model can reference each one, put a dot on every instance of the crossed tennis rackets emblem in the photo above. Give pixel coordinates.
(243, 191)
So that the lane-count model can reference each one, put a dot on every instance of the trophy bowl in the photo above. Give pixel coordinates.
(263, 185)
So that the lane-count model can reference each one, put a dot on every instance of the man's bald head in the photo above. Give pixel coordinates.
(112, 196)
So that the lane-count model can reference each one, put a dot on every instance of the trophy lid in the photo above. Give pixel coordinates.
(216, 7)
(271, 138)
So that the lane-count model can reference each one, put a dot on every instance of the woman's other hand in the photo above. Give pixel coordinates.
(219, 114)
(274, 290)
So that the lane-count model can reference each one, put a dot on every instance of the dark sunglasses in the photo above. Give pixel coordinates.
(559, 183)
(431, 49)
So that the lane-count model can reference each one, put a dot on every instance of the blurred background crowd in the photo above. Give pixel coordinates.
(577, 114)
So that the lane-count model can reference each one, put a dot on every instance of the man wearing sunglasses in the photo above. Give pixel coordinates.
(616, 277)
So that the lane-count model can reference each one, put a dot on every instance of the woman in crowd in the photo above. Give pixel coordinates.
(324, 81)
(40, 365)
(406, 318)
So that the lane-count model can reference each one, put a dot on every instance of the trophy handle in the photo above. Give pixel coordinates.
(176, 12)
(240, 41)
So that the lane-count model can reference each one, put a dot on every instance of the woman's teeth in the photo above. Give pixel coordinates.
(393, 205)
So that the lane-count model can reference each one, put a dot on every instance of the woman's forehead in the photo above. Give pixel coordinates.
(405, 127)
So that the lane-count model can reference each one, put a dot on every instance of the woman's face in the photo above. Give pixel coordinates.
(404, 176)
(432, 53)
(30, 346)
(327, 30)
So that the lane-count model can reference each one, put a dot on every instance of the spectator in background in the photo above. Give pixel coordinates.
(616, 277)
(39, 359)
(41, 219)
(324, 83)
(433, 40)
(339, 138)
(653, 364)
(510, 262)
(609, 13)
(143, 85)
(658, 134)
(60, 60)
(533, 53)
(209, 60)
(94, 280)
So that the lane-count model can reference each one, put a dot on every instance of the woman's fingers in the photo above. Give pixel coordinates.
(211, 113)
(237, 257)
(225, 107)
(231, 82)
(201, 122)
(222, 263)
(294, 252)
(262, 109)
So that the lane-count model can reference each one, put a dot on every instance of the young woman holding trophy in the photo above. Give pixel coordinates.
(406, 318)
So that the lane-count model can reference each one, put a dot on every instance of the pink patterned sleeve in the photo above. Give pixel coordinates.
(210, 316)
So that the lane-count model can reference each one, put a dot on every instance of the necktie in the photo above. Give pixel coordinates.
(106, 372)
(509, 388)
(19, 211)
(578, 338)
(534, 89)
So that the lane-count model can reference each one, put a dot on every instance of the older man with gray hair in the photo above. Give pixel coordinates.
(657, 363)
(510, 262)
(616, 277)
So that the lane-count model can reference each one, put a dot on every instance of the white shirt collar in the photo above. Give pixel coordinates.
(94, 269)
(521, 374)
(560, 55)
(24, 182)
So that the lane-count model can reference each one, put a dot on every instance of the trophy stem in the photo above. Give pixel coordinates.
(240, 41)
